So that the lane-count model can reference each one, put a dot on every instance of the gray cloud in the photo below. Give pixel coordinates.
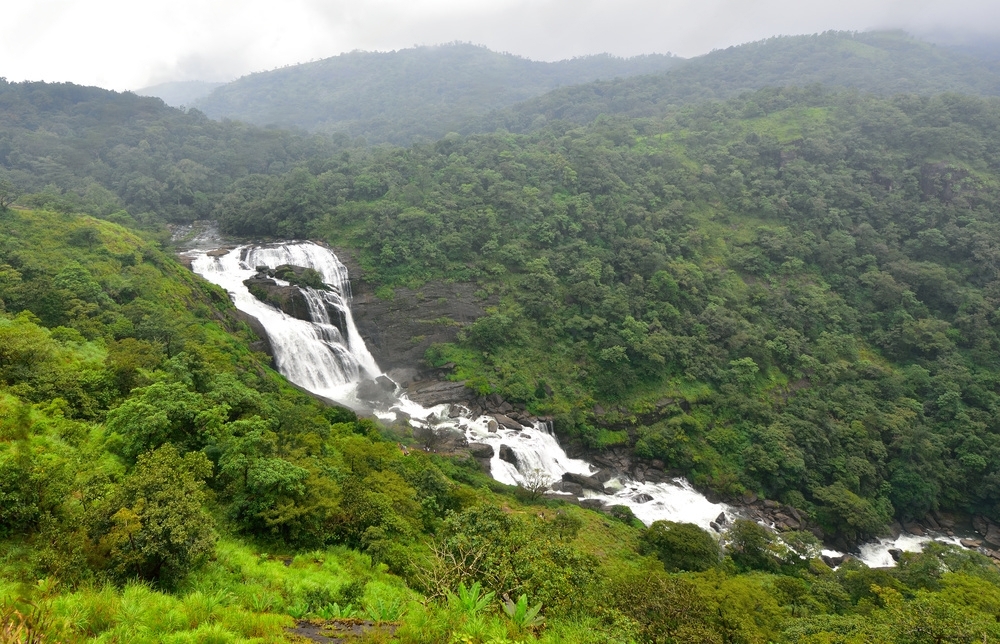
(126, 44)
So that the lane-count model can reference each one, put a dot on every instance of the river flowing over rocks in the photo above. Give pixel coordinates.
(312, 337)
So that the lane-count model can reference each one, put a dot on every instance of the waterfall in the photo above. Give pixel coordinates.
(327, 356)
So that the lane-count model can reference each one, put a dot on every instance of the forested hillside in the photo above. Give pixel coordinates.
(89, 149)
(883, 63)
(806, 278)
(406, 95)
(790, 293)
(158, 483)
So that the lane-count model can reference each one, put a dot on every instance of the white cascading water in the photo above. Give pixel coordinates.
(320, 358)
(314, 355)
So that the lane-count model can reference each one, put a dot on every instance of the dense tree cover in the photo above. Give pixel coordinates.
(883, 63)
(406, 95)
(90, 150)
(790, 292)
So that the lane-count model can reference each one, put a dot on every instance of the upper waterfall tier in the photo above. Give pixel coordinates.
(315, 355)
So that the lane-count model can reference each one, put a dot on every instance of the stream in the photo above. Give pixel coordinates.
(328, 357)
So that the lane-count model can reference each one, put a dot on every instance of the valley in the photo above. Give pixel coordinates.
(707, 353)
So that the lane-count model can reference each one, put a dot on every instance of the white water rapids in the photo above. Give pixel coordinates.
(328, 357)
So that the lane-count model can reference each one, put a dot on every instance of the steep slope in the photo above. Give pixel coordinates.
(401, 95)
(879, 62)
(791, 292)
(90, 149)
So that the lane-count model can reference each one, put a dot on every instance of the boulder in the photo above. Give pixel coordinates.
(914, 528)
(592, 504)
(722, 519)
(945, 519)
(492, 426)
(971, 543)
(786, 522)
(289, 299)
(980, 524)
(481, 450)
(604, 475)
(931, 523)
(508, 422)
(507, 454)
(895, 553)
(430, 393)
(642, 498)
(569, 488)
(403, 376)
(370, 391)
(385, 383)
(587, 482)
(832, 560)
(992, 537)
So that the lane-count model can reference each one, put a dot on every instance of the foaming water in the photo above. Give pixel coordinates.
(540, 459)
(328, 357)
(317, 355)
(877, 555)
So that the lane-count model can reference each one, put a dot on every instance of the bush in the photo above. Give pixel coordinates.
(680, 546)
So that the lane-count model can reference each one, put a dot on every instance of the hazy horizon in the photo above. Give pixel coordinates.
(121, 45)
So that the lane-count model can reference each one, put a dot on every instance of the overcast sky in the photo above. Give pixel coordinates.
(128, 44)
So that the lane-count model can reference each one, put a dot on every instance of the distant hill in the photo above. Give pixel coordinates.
(179, 93)
(398, 96)
(92, 150)
(878, 62)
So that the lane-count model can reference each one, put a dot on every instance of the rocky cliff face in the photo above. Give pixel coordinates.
(399, 329)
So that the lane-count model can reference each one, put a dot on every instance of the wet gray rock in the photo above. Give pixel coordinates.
(569, 488)
(992, 537)
(371, 391)
(895, 553)
(481, 450)
(399, 330)
(508, 422)
(642, 498)
(832, 560)
(592, 504)
(430, 393)
(587, 482)
(287, 298)
(507, 454)
(403, 376)
(604, 475)
(386, 384)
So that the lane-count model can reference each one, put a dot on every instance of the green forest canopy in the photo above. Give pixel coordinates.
(791, 292)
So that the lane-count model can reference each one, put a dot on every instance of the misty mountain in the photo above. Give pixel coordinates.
(402, 95)
(179, 93)
(882, 63)
(93, 150)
